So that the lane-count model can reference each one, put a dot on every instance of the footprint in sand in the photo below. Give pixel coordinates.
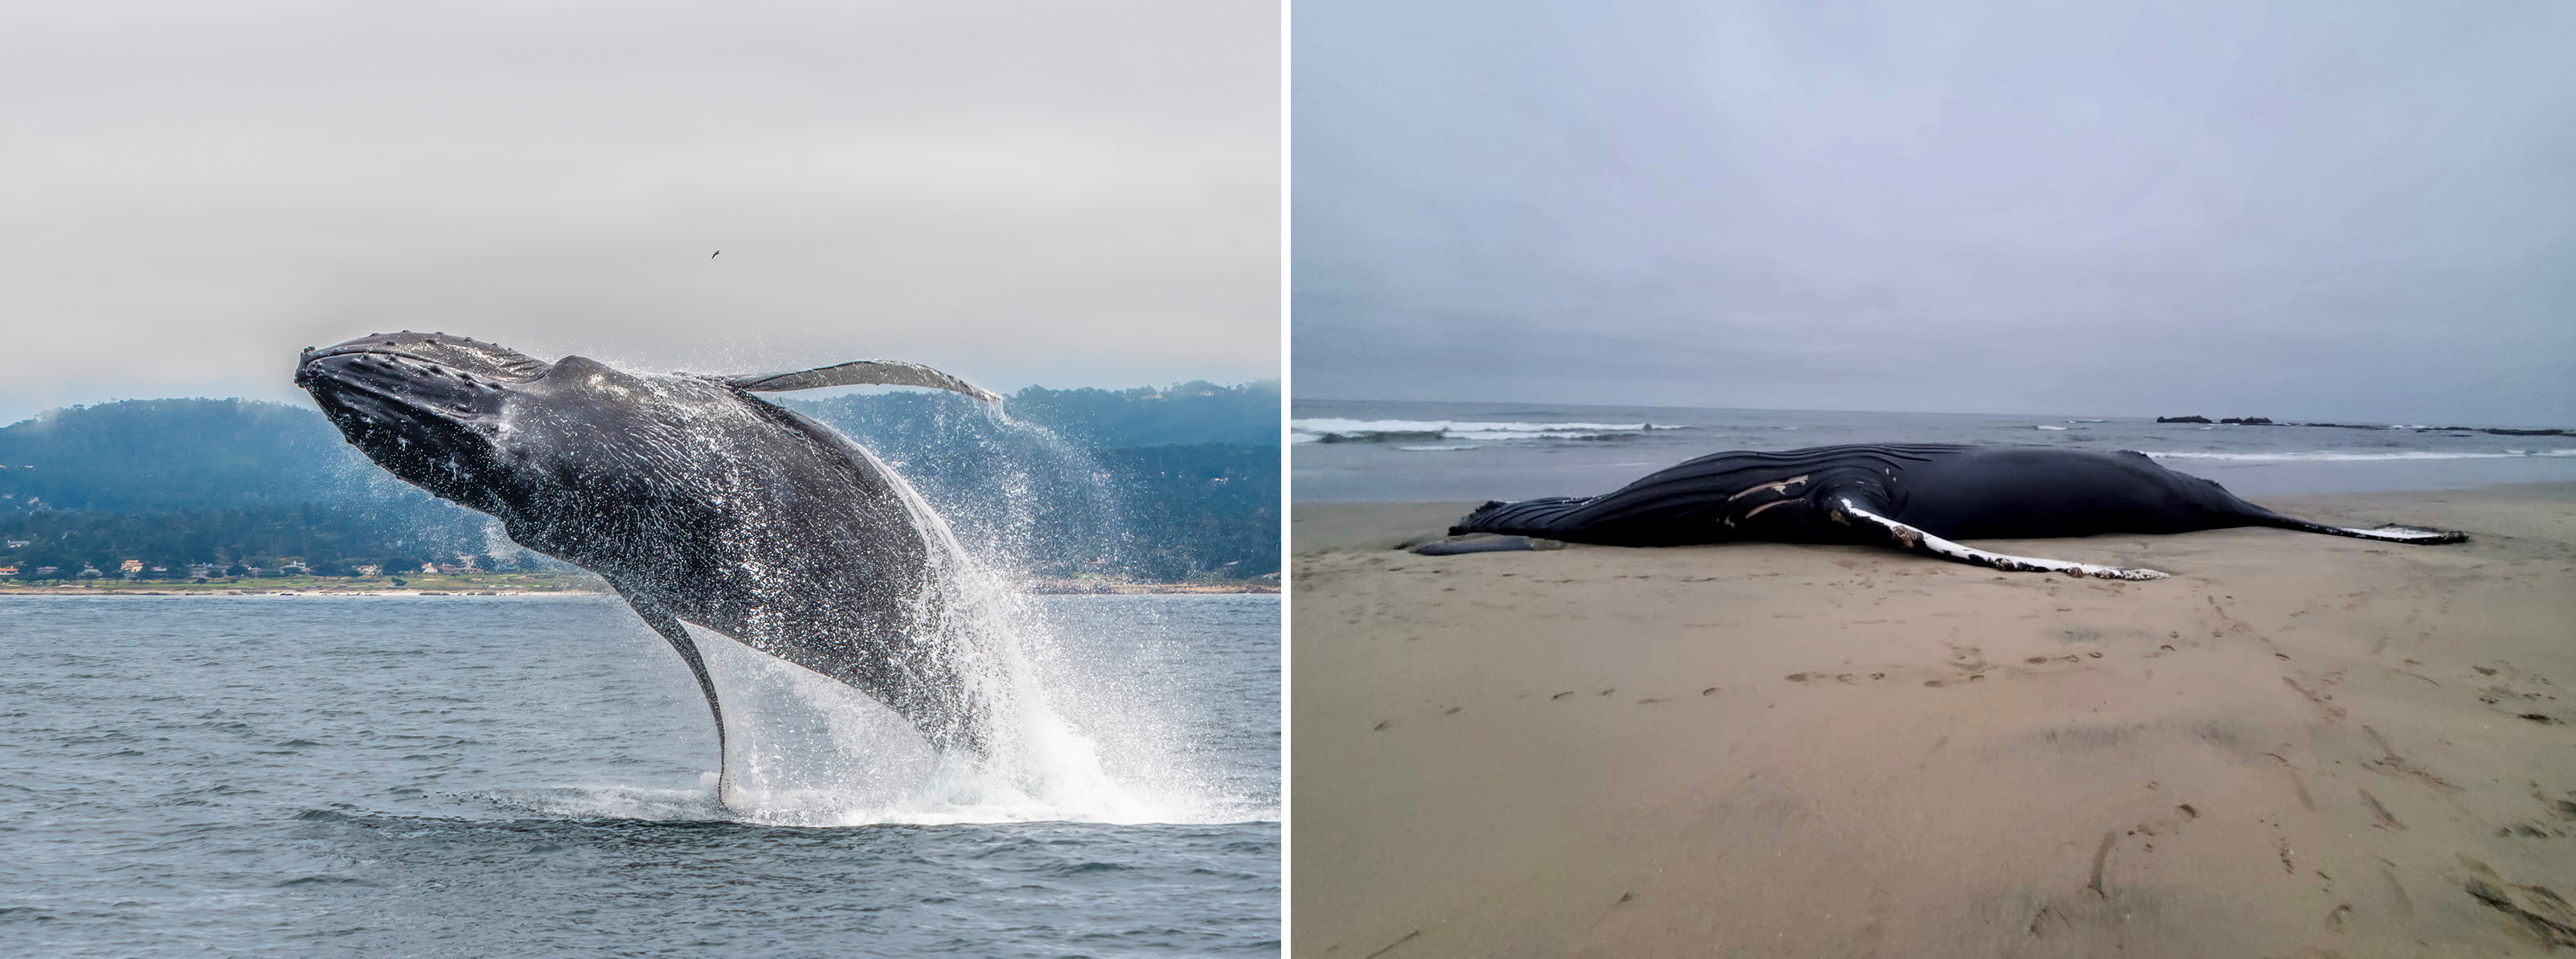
(2379, 813)
(2536, 909)
(2145, 831)
(1820, 677)
(1964, 665)
(2518, 693)
(2547, 826)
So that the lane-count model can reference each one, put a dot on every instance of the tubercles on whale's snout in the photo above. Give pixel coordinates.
(457, 353)
(388, 386)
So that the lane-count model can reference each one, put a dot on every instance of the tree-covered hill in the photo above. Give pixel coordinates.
(146, 455)
(1187, 414)
(1150, 484)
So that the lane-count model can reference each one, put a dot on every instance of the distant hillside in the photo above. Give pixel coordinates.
(143, 455)
(1189, 414)
(330, 537)
(1153, 484)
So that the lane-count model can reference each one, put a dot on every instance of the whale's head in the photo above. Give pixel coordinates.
(499, 431)
(428, 407)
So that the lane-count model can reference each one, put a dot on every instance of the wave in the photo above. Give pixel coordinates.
(2331, 456)
(1330, 430)
(2058, 429)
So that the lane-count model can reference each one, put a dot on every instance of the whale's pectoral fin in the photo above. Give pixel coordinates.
(2391, 533)
(670, 628)
(1908, 537)
(857, 373)
(1482, 543)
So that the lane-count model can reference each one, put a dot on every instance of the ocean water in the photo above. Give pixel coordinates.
(1384, 451)
(485, 776)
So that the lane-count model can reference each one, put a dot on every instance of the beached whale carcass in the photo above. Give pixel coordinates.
(1918, 497)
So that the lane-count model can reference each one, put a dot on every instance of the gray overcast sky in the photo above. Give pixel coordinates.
(1063, 194)
(2313, 210)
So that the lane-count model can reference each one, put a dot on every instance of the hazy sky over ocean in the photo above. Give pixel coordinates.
(1069, 195)
(2311, 210)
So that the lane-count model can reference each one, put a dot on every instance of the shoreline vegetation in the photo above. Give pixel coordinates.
(521, 584)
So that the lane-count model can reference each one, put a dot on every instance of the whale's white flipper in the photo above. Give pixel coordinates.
(857, 373)
(2402, 534)
(1912, 538)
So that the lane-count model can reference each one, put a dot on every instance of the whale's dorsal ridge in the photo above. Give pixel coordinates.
(857, 373)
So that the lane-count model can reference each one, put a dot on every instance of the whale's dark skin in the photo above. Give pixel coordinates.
(1914, 496)
(697, 501)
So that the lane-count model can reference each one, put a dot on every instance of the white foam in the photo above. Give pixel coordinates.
(1315, 429)
(604, 801)
(2053, 429)
(1347, 427)
(2340, 456)
(807, 750)
(804, 749)
(1533, 434)
(1441, 449)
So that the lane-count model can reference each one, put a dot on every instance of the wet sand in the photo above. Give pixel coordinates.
(2300, 745)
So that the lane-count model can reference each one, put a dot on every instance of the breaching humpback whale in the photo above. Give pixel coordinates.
(697, 501)
(1915, 497)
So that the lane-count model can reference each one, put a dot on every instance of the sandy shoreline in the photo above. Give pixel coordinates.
(2299, 745)
(1118, 589)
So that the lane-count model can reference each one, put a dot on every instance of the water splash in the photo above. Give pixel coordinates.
(1024, 501)
(803, 749)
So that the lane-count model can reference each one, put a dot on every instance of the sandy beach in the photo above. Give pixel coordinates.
(2299, 745)
(565, 586)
